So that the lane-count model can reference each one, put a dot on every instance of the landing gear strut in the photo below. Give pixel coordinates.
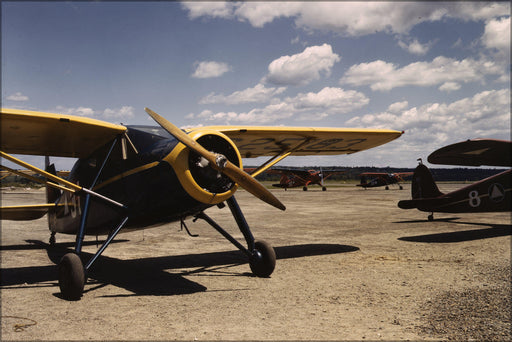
(262, 257)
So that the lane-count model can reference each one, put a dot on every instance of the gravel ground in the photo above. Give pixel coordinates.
(351, 266)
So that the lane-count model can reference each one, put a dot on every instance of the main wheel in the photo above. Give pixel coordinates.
(71, 276)
(324, 188)
(305, 188)
(263, 261)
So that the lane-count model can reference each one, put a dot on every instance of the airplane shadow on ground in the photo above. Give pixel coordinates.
(158, 276)
(494, 230)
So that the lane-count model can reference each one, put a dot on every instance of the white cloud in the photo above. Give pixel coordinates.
(210, 69)
(497, 35)
(313, 106)
(260, 13)
(80, 111)
(18, 97)
(398, 106)
(383, 76)
(215, 9)
(108, 114)
(485, 115)
(449, 86)
(124, 112)
(330, 100)
(302, 68)
(258, 93)
(349, 18)
(415, 47)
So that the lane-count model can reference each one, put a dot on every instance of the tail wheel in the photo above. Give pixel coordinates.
(324, 188)
(263, 260)
(71, 276)
(305, 188)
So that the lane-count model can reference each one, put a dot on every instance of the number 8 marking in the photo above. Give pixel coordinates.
(474, 200)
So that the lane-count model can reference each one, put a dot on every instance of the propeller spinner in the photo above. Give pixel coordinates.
(219, 162)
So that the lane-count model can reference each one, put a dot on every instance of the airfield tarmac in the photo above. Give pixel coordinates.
(351, 266)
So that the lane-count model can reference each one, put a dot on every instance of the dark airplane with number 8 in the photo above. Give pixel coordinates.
(488, 195)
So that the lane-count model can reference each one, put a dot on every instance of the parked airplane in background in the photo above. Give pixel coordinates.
(133, 177)
(375, 179)
(488, 195)
(296, 177)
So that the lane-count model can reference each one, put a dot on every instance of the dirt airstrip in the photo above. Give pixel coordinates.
(351, 266)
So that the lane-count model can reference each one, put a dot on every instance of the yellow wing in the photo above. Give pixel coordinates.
(303, 141)
(47, 134)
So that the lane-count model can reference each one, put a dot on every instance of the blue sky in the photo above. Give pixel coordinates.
(439, 71)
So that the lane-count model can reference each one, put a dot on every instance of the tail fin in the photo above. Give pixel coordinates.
(423, 184)
(52, 194)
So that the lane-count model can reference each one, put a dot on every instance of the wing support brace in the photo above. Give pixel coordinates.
(278, 157)
(242, 225)
(65, 185)
(58, 182)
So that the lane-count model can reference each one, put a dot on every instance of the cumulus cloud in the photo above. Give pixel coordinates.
(449, 86)
(18, 97)
(313, 106)
(330, 100)
(124, 112)
(108, 114)
(210, 69)
(214, 9)
(383, 76)
(348, 18)
(302, 68)
(484, 115)
(80, 111)
(415, 47)
(258, 93)
(398, 106)
(497, 35)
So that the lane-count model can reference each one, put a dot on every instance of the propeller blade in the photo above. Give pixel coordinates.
(219, 162)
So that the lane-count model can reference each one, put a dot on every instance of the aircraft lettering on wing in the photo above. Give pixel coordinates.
(375, 179)
(297, 177)
(133, 177)
(491, 194)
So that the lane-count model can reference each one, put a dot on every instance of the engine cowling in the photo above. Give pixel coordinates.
(197, 177)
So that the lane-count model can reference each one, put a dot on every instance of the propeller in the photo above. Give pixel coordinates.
(219, 162)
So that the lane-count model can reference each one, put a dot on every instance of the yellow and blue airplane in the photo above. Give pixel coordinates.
(132, 177)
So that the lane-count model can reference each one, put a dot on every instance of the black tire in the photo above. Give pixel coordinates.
(71, 276)
(264, 260)
(324, 188)
(305, 188)
(431, 217)
(387, 187)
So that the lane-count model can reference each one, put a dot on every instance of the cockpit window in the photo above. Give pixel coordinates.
(145, 137)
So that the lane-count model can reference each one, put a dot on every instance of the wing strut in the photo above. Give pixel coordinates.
(278, 157)
(65, 185)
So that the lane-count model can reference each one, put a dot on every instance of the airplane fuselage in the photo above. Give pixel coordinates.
(492, 194)
(293, 181)
(142, 180)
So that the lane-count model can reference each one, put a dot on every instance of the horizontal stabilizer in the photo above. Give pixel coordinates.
(25, 212)
(424, 203)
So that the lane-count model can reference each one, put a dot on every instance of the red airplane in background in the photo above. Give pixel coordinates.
(491, 194)
(296, 177)
(375, 179)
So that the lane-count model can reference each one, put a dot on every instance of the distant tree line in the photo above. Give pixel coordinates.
(353, 173)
